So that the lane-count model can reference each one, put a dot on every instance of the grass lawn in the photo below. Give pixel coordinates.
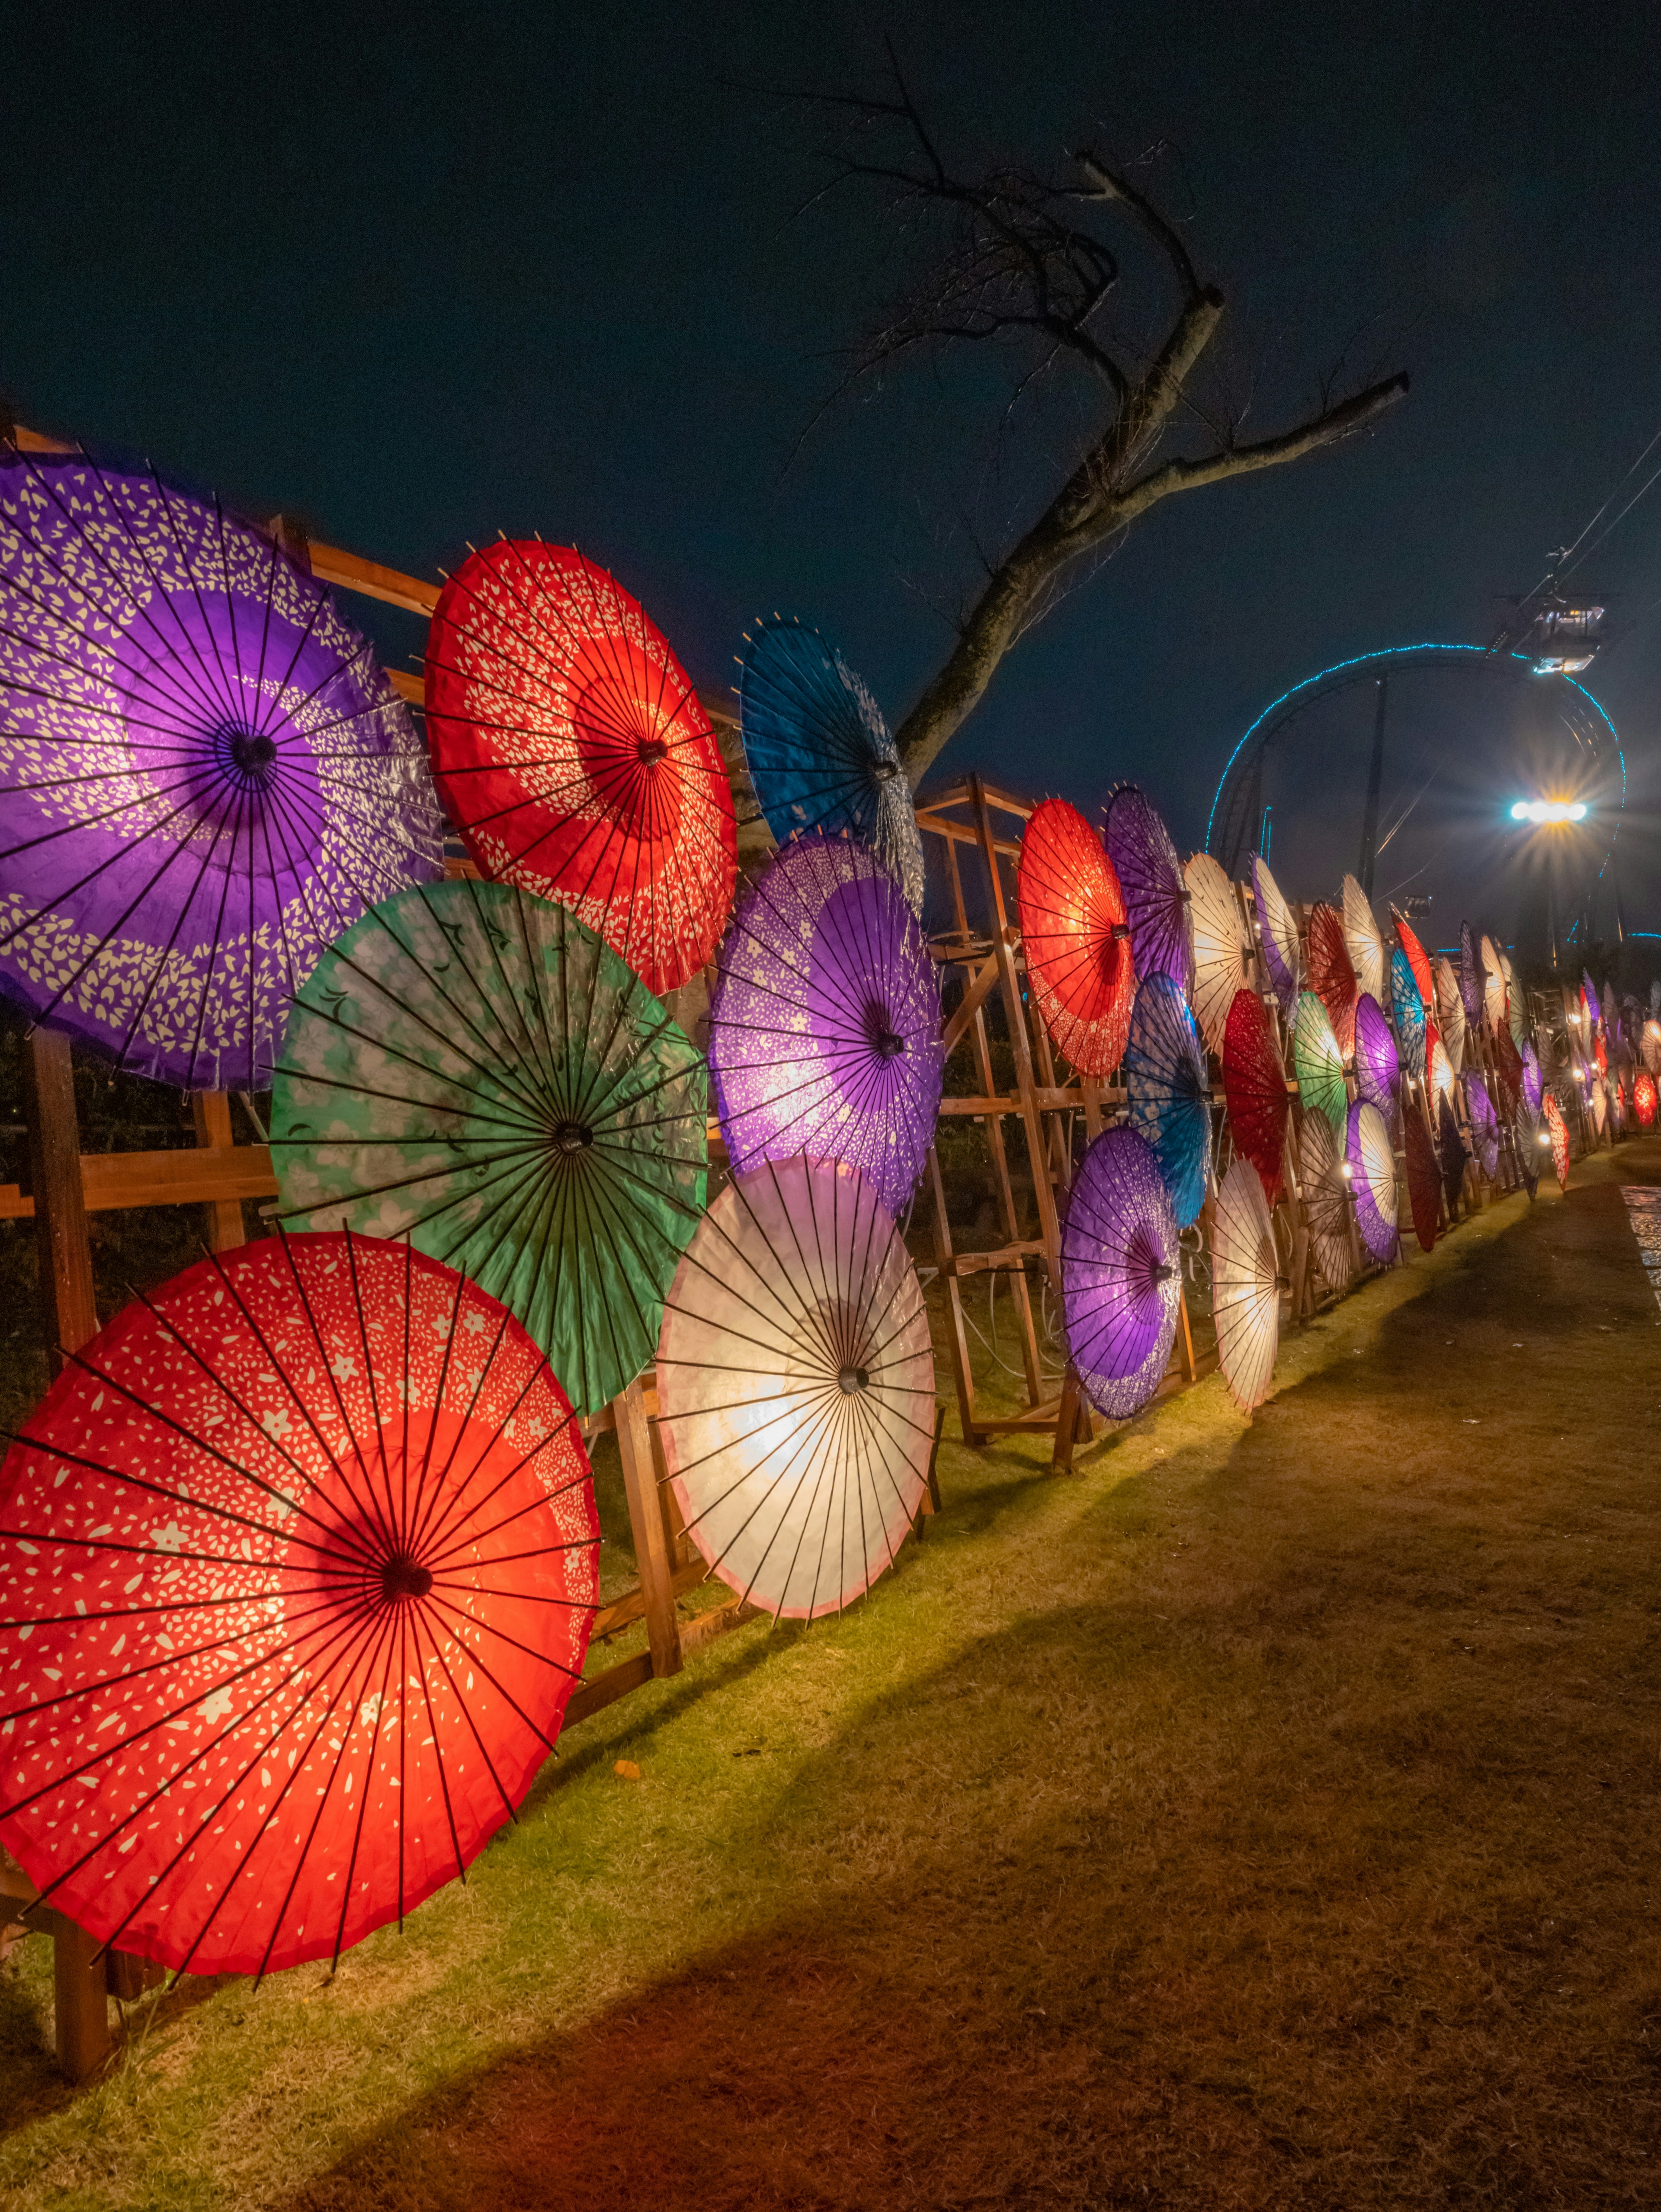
(1265, 1817)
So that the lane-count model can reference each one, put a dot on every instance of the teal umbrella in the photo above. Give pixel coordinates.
(470, 1067)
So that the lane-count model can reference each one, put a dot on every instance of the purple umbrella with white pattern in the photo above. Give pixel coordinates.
(1371, 1161)
(1151, 877)
(1120, 1273)
(1377, 1065)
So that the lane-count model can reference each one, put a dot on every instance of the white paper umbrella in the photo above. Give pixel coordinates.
(796, 1386)
(1362, 939)
(1220, 949)
(1450, 1014)
(1326, 1200)
(1245, 1286)
(1277, 926)
(1494, 986)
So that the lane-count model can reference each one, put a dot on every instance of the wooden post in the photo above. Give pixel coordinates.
(223, 1223)
(80, 2001)
(946, 1259)
(651, 1529)
(60, 1209)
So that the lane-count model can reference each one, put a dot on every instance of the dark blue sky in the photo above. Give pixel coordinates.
(421, 274)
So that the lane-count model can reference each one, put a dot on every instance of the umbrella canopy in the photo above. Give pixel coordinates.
(298, 1573)
(1075, 937)
(1120, 1273)
(1372, 1162)
(1222, 952)
(1529, 1133)
(1424, 1178)
(1318, 1065)
(1378, 1068)
(1600, 1104)
(1516, 1019)
(1508, 1073)
(1168, 1091)
(1558, 1129)
(1246, 1287)
(1493, 988)
(1155, 896)
(1326, 1200)
(1642, 1098)
(1650, 1047)
(1407, 1006)
(206, 774)
(1255, 1089)
(1332, 976)
(1600, 1052)
(1450, 1148)
(1484, 1124)
(1470, 975)
(1413, 953)
(796, 1387)
(1450, 1014)
(819, 751)
(575, 756)
(1277, 926)
(1606, 1007)
(824, 1025)
(1533, 1083)
(1362, 940)
(472, 1068)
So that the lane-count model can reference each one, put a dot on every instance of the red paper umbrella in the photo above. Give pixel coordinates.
(1255, 1089)
(1600, 1052)
(1331, 974)
(575, 756)
(1417, 958)
(1642, 1097)
(1076, 938)
(297, 1573)
(1424, 1176)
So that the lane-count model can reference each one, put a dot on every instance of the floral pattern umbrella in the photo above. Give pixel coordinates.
(1168, 1092)
(1246, 1287)
(1331, 976)
(1277, 927)
(1221, 952)
(1254, 1090)
(1120, 1274)
(203, 774)
(1076, 938)
(1151, 877)
(1642, 1098)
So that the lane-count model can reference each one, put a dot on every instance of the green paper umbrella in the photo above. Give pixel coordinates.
(1319, 1064)
(471, 1067)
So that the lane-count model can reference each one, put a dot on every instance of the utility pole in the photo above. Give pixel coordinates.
(1375, 783)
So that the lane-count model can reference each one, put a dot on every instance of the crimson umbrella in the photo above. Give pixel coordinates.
(1075, 937)
(1120, 1273)
(205, 775)
(1254, 1090)
(576, 760)
(1151, 877)
(1331, 976)
(1642, 1097)
(297, 1571)
(1424, 1178)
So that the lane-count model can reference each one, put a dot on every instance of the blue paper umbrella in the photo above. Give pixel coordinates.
(1168, 1092)
(819, 751)
(1407, 1004)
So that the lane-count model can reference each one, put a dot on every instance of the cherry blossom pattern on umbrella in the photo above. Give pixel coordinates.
(1168, 1092)
(1277, 930)
(203, 774)
(1076, 938)
(824, 1025)
(1318, 1065)
(1254, 1090)
(1424, 1177)
(1326, 1198)
(1642, 1098)
(1245, 1286)
(1378, 1068)
(298, 1571)
(1221, 952)
(576, 760)
(1363, 941)
(1120, 1273)
(1151, 878)
(1450, 1014)
(1332, 976)
(1371, 1161)
(1408, 1008)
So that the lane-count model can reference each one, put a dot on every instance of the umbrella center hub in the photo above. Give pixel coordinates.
(248, 754)
(885, 1040)
(651, 751)
(883, 771)
(403, 1577)
(851, 1381)
(572, 1137)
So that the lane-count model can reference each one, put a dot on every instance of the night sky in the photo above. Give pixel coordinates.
(420, 275)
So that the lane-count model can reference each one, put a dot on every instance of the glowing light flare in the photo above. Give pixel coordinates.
(1541, 811)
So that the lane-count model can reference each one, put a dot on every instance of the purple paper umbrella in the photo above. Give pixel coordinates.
(1534, 1088)
(1151, 877)
(1120, 1273)
(824, 1028)
(205, 777)
(1484, 1125)
(1371, 1161)
(1377, 1066)
(1470, 975)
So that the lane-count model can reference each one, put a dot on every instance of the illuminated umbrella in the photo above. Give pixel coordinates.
(1493, 988)
(1362, 940)
(1533, 1084)
(1439, 1072)
(1451, 1014)
(1408, 1009)
(1600, 1106)
(1650, 1046)
(796, 1387)
(1326, 1200)
(1278, 928)
(1418, 961)
(1558, 1129)
(1075, 937)
(1120, 1274)
(1156, 899)
(1372, 1163)
(1600, 1052)
(1484, 1124)
(1317, 1064)
(206, 773)
(1378, 1066)
(1255, 1089)
(1332, 976)
(575, 756)
(819, 751)
(1642, 1097)
(1517, 1019)
(1221, 952)
(1471, 976)
(1451, 1149)
(824, 1025)
(298, 1574)
(1168, 1092)
(1246, 1287)
(472, 1068)
(1424, 1178)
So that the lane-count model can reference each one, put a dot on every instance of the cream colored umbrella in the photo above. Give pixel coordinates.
(796, 1386)
(1450, 1014)
(1245, 1286)
(1494, 986)
(1277, 926)
(1326, 1200)
(1364, 940)
(1221, 950)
